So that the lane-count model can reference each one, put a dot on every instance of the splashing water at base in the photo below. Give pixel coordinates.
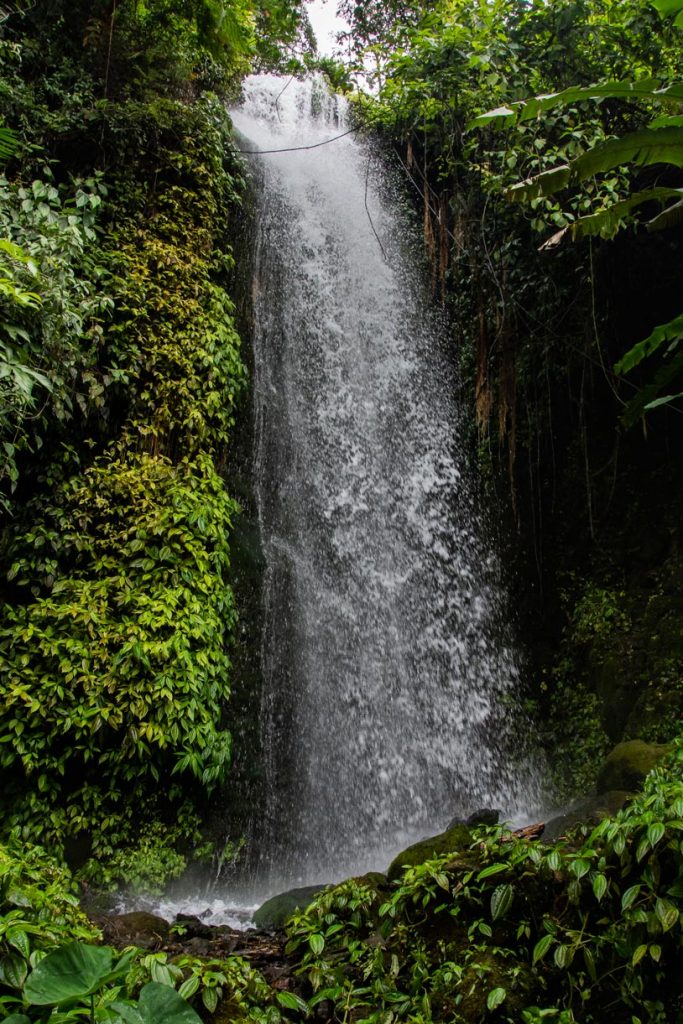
(389, 670)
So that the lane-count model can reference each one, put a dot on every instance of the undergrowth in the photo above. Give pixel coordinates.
(510, 930)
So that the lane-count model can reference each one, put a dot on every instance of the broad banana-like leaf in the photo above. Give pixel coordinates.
(647, 396)
(8, 143)
(671, 332)
(606, 223)
(664, 400)
(499, 116)
(670, 9)
(667, 121)
(644, 89)
(672, 217)
(648, 146)
(544, 184)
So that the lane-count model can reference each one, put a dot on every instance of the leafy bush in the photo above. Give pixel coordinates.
(38, 909)
(509, 927)
(114, 653)
(115, 637)
(50, 314)
(49, 964)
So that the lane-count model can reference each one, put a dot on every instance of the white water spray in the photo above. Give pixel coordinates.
(389, 670)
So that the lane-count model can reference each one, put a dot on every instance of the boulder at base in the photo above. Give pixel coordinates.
(137, 928)
(276, 911)
(589, 811)
(450, 841)
(628, 763)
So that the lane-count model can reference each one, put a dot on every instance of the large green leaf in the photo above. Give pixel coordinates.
(544, 184)
(159, 1004)
(70, 972)
(606, 223)
(648, 397)
(648, 146)
(669, 332)
(126, 1013)
(670, 9)
(643, 89)
(8, 143)
(672, 217)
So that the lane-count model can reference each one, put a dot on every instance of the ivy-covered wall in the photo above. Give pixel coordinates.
(118, 611)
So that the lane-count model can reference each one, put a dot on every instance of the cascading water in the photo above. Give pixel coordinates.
(389, 674)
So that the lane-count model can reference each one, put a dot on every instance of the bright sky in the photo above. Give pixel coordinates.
(323, 15)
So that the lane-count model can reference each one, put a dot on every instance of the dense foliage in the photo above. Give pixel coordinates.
(51, 965)
(120, 373)
(509, 930)
(564, 347)
(120, 382)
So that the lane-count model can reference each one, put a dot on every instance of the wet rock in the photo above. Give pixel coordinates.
(450, 841)
(627, 765)
(373, 880)
(197, 946)
(137, 928)
(484, 816)
(191, 927)
(589, 811)
(276, 911)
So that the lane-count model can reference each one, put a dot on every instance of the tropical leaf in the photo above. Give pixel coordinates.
(544, 184)
(667, 121)
(159, 1004)
(644, 89)
(495, 997)
(650, 396)
(664, 400)
(670, 9)
(669, 332)
(606, 223)
(542, 947)
(645, 147)
(8, 143)
(499, 116)
(501, 901)
(70, 972)
(672, 217)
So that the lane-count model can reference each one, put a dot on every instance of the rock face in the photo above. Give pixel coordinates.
(138, 928)
(627, 765)
(276, 911)
(484, 816)
(450, 841)
(589, 811)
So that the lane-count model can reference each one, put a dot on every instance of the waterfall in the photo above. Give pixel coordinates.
(389, 669)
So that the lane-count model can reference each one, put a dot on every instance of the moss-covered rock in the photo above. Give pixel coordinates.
(450, 841)
(589, 811)
(275, 912)
(628, 763)
(136, 928)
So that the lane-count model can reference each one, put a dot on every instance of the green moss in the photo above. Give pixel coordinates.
(628, 764)
(275, 912)
(450, 841)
